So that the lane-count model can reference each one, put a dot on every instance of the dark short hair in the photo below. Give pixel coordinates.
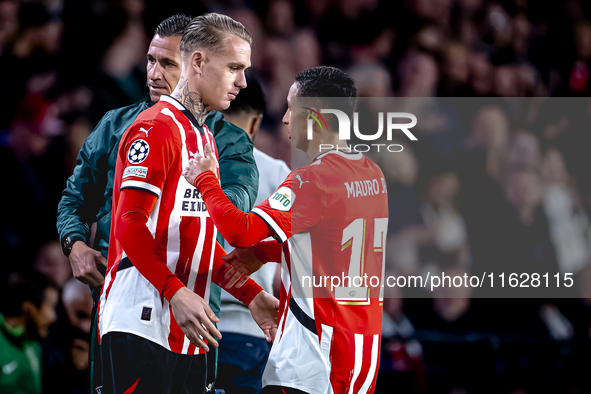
(173, 26)
(208, 31)
(21, 286)
(325, 81)
(249, 99)
(328, 82)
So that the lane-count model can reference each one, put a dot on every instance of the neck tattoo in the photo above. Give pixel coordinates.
(191, 100)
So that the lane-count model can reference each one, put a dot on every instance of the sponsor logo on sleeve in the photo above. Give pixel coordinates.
(138, 151)
(282, 199)
(140, 172)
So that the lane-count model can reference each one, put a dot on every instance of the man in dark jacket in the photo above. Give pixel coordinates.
(88, 194)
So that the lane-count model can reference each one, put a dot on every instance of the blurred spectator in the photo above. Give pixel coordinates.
(568, 222)
(65, 368)
(51, 262)
(27, 309)
(441, 216)
(455, 71)
(418, 75)
(8, 22)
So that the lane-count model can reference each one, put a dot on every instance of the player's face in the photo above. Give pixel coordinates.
(287, 117)
(164, 66)
(295, 120)
(222, 76)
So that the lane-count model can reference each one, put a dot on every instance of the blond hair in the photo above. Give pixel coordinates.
(208, 32)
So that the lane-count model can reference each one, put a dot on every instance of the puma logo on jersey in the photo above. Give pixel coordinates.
(299, 178)
(145, 131)
(192, 154)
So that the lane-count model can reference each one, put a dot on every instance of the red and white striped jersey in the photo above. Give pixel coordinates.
(152, 154)
(333, 213)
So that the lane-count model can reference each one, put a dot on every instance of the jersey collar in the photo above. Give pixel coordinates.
(175, 103)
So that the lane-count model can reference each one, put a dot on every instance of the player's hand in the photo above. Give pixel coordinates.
(84, 262)
(199, 164)
(245, 261)
(195, 318)
(226, 276)
(264, 309)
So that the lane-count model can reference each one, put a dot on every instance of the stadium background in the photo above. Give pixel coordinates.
(503, 185)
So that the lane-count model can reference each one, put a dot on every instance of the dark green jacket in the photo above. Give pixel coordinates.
(89, 191)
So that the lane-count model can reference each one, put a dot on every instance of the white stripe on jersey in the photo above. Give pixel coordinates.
(325, 346)
(295, 361)
(193, 273)
(182, 132)
(172, 102)
(358, 360)
(212, 254)
(152, 222)
(300, 254)
(141, 185)
(375, 347)
(174, 236)
(271, 223)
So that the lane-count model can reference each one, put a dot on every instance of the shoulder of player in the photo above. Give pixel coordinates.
(153, 130)
(306, 178)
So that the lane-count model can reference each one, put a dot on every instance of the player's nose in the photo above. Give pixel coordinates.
(240, 80)
(155, 72)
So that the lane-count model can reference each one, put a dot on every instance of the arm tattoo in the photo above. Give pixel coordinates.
(191, 100)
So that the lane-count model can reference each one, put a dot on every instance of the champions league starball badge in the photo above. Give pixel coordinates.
(138, 151)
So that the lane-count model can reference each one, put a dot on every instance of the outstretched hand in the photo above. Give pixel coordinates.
(245, 262)
(199, 164)
(264, 309)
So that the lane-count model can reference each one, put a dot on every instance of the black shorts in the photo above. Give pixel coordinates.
(132, 364)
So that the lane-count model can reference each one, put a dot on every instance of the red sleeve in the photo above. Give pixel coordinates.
(239, 229)
(246, 293)
(268, 251)
(138, 243)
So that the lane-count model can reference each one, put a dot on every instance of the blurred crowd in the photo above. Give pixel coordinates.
(496, 183)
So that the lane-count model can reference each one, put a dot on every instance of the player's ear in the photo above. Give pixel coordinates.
(197, 59)
(255, 124)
